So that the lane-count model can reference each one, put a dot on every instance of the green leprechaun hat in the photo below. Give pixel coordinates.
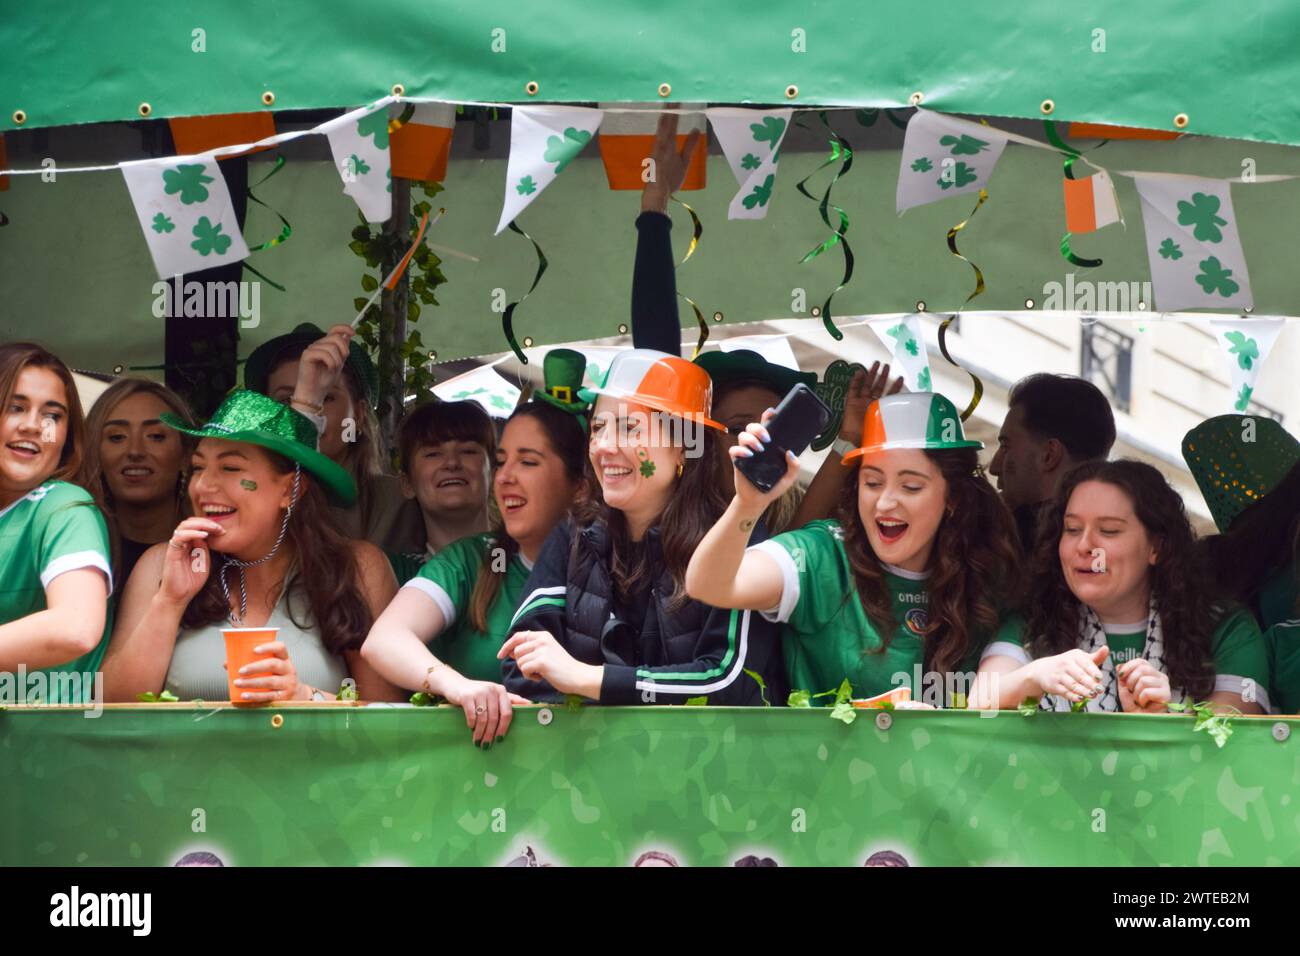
(921, 420)
(258, 367)
(562, 371)
(1236, 460)
(746, 365)
(252, 417)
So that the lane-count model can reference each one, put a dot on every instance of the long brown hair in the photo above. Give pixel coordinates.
(327, 573)
(16, 356)
(569, 442)
(695, 506)
(973, 562)
(1183, 599)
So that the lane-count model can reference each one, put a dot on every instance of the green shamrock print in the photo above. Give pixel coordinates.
(463, 395)
(526, 186)
(1169, 250)
(1202, 213)
(188, 180)
(162, 224)
(963, 145)
(768, 131)
(248, 484)
(389, 174)
(208, 238)
(359, 166)
(376, 125)
(1244, 347)
(750, 161)
(923, 380)
(961, 176)
(561, 151)
(910, 346)
(647, 468)
(594, 372)
(896, 331)
(1243, 398)
(922, 165)
(496, 401)
(760, 195)
(1214, 278)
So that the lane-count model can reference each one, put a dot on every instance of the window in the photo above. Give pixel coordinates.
(1107, 361)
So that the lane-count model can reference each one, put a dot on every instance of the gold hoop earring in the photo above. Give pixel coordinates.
(679, 469)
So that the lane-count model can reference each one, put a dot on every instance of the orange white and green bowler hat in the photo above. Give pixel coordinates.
(660, 381)
(920, 420)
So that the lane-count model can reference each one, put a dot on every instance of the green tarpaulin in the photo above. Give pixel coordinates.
(601, 786)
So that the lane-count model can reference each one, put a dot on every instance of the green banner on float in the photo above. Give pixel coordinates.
(605, 786)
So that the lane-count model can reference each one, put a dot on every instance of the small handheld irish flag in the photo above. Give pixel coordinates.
(1090, 203)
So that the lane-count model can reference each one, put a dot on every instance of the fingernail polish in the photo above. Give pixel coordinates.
(499, 739)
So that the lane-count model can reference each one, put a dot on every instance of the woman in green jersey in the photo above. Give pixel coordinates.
(906, 588)
(55, 575)
(442, 632)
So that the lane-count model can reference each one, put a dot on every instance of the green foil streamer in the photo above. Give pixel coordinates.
(839, 149)
(978, 386)
(698, 230)
(507, 320)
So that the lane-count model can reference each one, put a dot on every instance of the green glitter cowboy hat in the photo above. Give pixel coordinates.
(258, 367)
(562, 371)
(1233, 472)
(252, 417)
(746, 365)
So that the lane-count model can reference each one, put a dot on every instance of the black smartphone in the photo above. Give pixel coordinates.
(797, 421)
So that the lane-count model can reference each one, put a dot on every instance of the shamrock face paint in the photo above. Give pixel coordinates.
(247, 484)
(635, 461)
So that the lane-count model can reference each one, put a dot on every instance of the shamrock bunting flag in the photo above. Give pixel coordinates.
(359, 143)
(543, 141)
(184, 208)
(1246, 344)
(902, 336)
(751, 141)
(1193, 243)
(484, 386)
(944, 156)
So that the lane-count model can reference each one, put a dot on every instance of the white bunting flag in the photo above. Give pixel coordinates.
(482, 385)
(1246, 344)
(359, 142)
(543, 141)
(1193, 243)
(751, 141)
(944, 156)
(906, 344)
(184, 208)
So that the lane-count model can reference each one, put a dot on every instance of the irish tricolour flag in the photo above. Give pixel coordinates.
(1090, 203)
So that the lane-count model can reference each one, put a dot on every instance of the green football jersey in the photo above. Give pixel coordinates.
(53, 529)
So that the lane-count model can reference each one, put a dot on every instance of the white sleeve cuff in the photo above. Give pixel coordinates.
(789, 581)
(439, 597)
(75, 562)
(1005, 649)
(1232, 684)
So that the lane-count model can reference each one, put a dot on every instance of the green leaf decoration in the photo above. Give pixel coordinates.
(188, 180)
(1170, 250)
(149, 697)
(1215, 278)
(348, 692)
(421, 699)
(375, 125)
(1245, 348)
(799, 698)
(697, 701)
(962, 175)
(368, 282)
(1079, 706)
(1217, 725)
(842, 710)
(923, 380)
(561, 151)
(922, 165)
(1243, 398)
(1028, 707)
(359, 166)
(526, 186)
(750, 161)
(768, 131)
(208, 238)
(162, 224)
(963, 145)
(1202, 213)
(573, 702)
(761, 194)
(762, 687)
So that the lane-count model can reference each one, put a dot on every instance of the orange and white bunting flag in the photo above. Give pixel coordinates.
(1090, 203)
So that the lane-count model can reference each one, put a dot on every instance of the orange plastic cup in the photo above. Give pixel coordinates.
(240, 642)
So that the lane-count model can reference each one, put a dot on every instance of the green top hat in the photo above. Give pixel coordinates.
(254, 418)
(1235, 463)
(562, 371)
(257, 370)
(746, 364)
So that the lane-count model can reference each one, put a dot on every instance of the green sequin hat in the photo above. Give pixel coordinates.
(258, 367)
(252, 417)
(743, 365)
(562, 370)
(1234, 473)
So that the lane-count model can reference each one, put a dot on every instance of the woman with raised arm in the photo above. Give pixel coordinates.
(1120, 614)
(55, 577)
(442, 632)
(262, 550)
(605, 615)
(914, 579)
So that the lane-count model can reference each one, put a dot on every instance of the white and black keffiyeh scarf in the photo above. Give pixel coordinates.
(1092, 637)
